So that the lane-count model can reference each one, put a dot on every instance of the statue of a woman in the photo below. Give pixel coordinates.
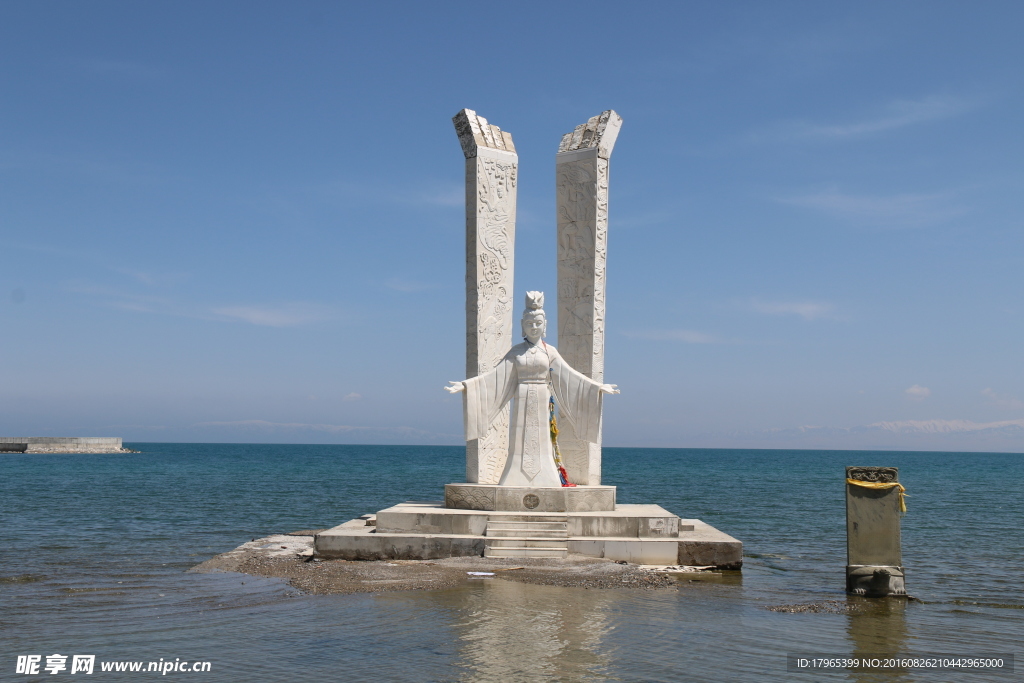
(531, 372)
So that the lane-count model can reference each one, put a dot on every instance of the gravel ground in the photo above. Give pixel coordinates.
(290, 557)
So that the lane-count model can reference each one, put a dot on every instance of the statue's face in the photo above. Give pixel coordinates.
(533, 328)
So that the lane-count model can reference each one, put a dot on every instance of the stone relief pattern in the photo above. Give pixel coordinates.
(577, 233)
(582, 188)
(467, 499)
(575, 455)
(495, 212)
(874, 474)
(493, 449)
(472, 463)
(531, 433)
(600, 269)
(589, 501)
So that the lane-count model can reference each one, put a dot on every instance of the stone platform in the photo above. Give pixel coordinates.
(640, 534)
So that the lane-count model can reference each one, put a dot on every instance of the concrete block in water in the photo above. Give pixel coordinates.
(705, 546)
(874, 562)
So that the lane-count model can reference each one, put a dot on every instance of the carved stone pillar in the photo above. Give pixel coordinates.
(581, 182)
(873, 554)
(491, 168)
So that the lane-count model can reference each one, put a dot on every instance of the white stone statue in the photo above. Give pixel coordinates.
(531, 372)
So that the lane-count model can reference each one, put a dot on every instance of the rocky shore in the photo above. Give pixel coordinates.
(291, 557)
(63, 444)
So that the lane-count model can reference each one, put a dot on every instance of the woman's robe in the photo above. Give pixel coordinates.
(530, 374)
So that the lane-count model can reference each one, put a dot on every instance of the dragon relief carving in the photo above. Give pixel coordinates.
(496, 190)
(495, 209)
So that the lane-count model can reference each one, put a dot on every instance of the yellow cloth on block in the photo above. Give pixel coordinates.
(882, 485)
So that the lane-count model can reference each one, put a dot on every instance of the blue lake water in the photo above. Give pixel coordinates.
(95, 550)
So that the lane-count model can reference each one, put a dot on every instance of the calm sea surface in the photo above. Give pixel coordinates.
(94, 551)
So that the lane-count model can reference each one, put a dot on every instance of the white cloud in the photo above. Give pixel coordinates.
(136, 427)
(937, 434)
(688, 336)
(896, 114)
(286, 315)
(264, 424)
(906, 427)
(402, 285)
(267, 427)
(278, 315)
(114, 67)
(896, 211)
(1002, 400)
(944, 426)
(128, 301)
(153, 279)
(808, 310)
(353, 191)
(453, 195)
(644, 220)
(352, 397)
(918, 392)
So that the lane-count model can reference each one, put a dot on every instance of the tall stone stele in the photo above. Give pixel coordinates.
(491, 169)
(874, 564)
(581, 184)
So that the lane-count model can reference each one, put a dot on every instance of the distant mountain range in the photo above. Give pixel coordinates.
(941, 435)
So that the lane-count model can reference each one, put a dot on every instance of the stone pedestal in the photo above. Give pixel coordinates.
(581, 185)
(874, 564)
(529, 499)
(491, 169)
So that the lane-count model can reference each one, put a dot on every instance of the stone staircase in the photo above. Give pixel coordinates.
(527, 536)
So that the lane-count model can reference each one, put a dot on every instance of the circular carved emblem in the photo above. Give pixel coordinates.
(530, 501)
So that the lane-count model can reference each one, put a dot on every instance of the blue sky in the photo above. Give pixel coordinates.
(243, 221)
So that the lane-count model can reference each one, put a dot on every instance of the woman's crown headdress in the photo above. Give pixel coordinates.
(534, 301)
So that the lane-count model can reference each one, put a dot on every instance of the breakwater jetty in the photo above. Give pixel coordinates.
(62, 444)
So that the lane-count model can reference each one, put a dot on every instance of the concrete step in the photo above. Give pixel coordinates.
(525, 552)
(527, 536)
(499, 517)
(527, 533)
(527, 543)
(526, 525)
